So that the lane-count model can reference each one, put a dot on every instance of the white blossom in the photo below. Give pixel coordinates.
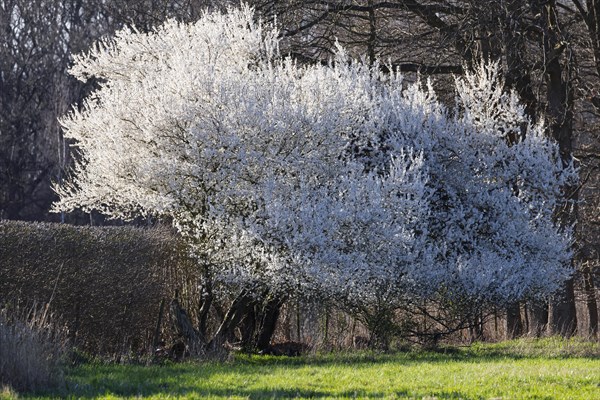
(338, 179)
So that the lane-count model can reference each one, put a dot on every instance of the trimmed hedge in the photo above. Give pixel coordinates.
(106, 283)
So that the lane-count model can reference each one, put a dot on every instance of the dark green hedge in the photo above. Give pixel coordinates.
(106, 283)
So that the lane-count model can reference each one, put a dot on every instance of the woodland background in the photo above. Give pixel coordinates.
(549, 52)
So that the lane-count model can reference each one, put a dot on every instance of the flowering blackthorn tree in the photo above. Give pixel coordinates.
(332, 180)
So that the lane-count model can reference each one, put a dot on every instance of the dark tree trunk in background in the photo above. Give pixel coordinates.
(559, 113)
(591, 16)
(591, 305)
(514, 48)
(248, 330)
(537, 314)
(514, 322)
(562, 319)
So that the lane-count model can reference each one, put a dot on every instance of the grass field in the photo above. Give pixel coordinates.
(524, 369)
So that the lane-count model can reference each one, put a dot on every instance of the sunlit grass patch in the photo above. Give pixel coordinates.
(553, 346)
(511, 370)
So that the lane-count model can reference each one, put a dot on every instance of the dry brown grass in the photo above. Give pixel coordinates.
(32, 348)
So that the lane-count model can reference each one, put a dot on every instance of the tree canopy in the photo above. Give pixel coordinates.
(338, 180)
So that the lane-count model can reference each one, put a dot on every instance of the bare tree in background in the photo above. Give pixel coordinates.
(37, 38)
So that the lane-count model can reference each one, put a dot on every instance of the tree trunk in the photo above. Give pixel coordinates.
(156, 337)
(514, 323)
(248, 331)
(559, 95)
(270, 315)
(592, 20)
(538, 318)
(590, 300)
(206, 301)
(518, 74)
(192, 339)
(372, 42)
(240, 308)
(562, 317)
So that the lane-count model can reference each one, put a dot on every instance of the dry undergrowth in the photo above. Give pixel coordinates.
(32, 348)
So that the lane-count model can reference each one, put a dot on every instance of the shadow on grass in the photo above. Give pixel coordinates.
(117, 388)
(401, 358)
(362, 358)
(235, 379)
(196, 380)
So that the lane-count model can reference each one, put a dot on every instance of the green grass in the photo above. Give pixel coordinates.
(524, 369)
